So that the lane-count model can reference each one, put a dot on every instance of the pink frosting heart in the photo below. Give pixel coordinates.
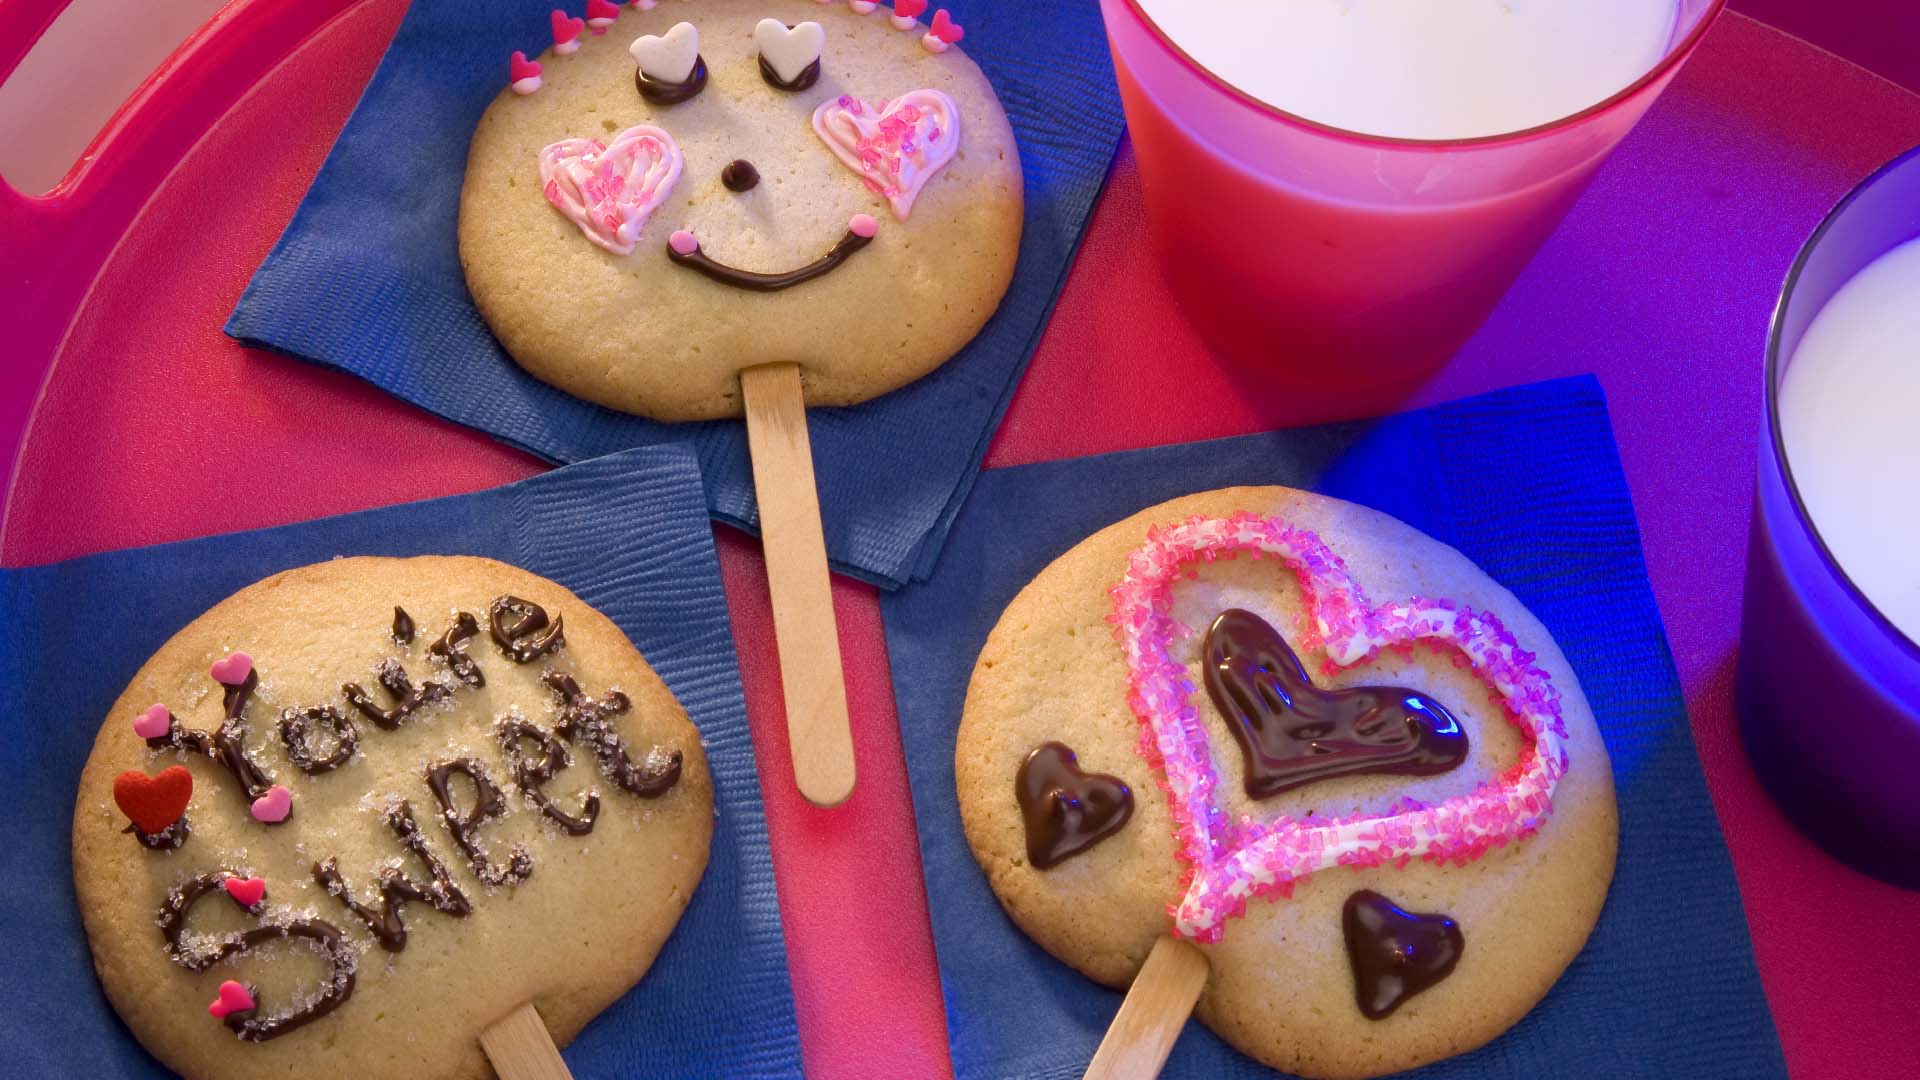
(154, 723)
(274, 806)
(232, 670)
(233, 998)
(895, 146)
(1229, 862)
(247, 892)
(610, 190)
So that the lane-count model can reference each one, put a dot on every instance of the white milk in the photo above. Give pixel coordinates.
(1423, 69)
(1850, 418)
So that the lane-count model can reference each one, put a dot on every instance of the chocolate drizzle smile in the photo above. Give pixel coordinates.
(247, 1023)
(661, 92)
(758, 282)
(1293, 733)
(226, 746)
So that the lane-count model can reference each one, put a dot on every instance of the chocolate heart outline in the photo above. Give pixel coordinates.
(1228, 862)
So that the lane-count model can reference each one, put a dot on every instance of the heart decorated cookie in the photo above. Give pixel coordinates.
(426, 792)
(728, 239)
(1354, 762)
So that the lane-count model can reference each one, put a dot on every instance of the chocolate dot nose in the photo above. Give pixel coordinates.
(740, 175)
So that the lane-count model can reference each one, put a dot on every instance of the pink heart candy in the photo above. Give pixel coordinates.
(247, 892)
(520, 69)
(274, 806)
(863, 225)
(894, 146)
(601, 13)
(232, 670)
(154, 723)
(909, 9)
(566, 29)
(610, 190)
(1231, 861)
(233, 998)
(945, 28)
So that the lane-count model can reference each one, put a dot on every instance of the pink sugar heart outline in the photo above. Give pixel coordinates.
(610, 190)
(1229, 862)
(895, 169)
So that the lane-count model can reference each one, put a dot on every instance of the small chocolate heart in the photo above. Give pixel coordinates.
(1396, 953)
(1067, 811)
(154, 802)
(1292, 733)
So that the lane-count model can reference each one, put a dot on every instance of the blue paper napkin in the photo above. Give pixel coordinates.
(1527, 484)
(628, 533)
(367, 277)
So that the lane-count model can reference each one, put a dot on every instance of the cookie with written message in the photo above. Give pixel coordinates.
(360, 810)
(1323, 747)
(665, 197)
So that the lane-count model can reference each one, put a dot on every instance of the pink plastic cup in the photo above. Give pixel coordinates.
(1340, 258)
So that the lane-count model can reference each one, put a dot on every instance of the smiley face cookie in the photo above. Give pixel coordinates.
(672, 196)
(1318, 744)
(360, 810)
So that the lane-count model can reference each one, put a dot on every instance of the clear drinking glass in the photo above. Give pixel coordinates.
(1339, 257)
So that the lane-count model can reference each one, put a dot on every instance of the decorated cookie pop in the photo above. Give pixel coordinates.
(742, 208)
(496, 803)
(1302, 762)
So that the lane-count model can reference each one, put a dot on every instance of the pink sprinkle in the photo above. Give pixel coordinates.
(682, 242)
(863, 225)
(232, 670)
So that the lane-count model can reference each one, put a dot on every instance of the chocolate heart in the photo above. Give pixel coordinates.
(1067, 811)
(1396, 953)
(1292, 733)
(154, 802)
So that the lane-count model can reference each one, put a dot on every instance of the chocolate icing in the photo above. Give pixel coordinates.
(226, 746)
(450, 648)
(396, 887)
(1396, 953)
(247, 1023)
(660, 92)
(757, 282)
(297, 732)
(516, 624)
(407, 698)
(1067, 811)
(803, 81)
(402, 625)
(529, 773)
(581, 717)
(487, 805)
(167, 839)
(1292, 733)
(740, 175)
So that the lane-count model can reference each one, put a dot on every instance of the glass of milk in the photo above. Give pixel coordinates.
(1342, 190)
(1828, 679)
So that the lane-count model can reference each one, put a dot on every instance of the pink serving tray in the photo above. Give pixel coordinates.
(152, 426)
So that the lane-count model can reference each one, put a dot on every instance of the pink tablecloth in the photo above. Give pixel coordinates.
(156, 427)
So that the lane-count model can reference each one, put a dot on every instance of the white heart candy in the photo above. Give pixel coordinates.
(788, 51)
(667, 57)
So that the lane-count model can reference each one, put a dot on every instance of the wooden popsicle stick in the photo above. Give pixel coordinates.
(1156, 1008)
(520, 1049)
(815, 688)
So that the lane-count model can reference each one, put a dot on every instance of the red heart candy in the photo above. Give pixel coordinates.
(153, 802)
(519, 67)
(233, 998)
(908, 9)
(945, 28)
(565, 29)
(246, 891)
